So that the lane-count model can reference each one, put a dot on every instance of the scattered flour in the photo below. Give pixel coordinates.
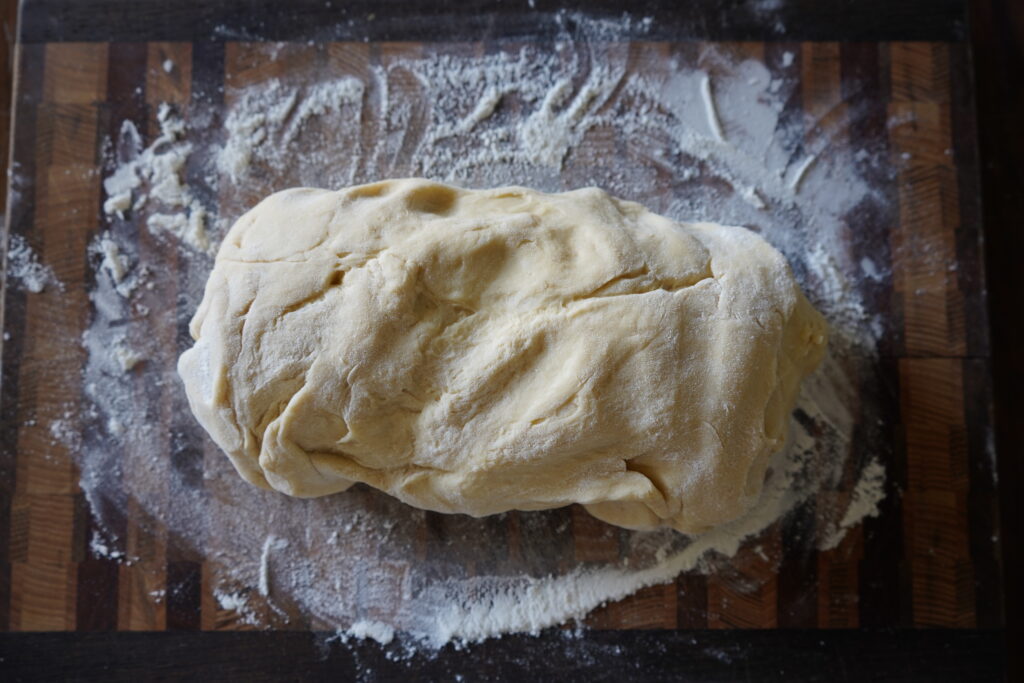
(710, 110)
(62, 430)
(574, 115)
(268, 119)
(24, 268)
(238, 603)
(155, 174)
(870, 269)
(99, 548)
(271, 544)
(235, 602)
(868, 493)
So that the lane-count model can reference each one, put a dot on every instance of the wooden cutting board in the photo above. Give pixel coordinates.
(930, 559)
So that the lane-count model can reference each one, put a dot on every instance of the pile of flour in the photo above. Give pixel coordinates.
(694, 140)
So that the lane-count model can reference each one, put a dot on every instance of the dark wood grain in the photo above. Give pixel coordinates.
(20, 215)
(9, 26)
(982, 501)
(882, 576)
(27, 70)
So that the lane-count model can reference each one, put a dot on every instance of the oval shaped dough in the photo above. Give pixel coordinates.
(482, 351)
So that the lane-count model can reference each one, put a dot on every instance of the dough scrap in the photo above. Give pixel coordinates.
(481, 351)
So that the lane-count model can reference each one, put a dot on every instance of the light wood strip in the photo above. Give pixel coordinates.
(42, 596)
(920, 72)
(935, 517)
(925, 243)
(76, 73)
(66, 209)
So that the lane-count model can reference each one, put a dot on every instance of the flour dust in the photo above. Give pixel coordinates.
(24, 269)
(694, 134)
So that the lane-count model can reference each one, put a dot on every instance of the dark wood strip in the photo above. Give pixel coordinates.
(184, 593)
(420, 20)
(98, 586)
(30, 62)
(884, 575)
(838, 574)
(537, 559)
(798, 569)
(983, 498)
(187, 443)
(998, 56)
(790, 131)
(593, 540)
(970, 275)
(8, 67)
(691, 601)
(798, 563)
(883, 580)
(143, 582)
(827, 121)
(96, 603)
(865, 84)
(642, 655)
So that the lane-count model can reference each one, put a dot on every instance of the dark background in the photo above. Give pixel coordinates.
(997, 41)
(995, 29)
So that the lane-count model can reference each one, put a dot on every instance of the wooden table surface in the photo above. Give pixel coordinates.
(928, 560)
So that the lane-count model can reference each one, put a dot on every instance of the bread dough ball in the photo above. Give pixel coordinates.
(477, 351)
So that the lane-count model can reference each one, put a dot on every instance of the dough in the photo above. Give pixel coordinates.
(482, 351)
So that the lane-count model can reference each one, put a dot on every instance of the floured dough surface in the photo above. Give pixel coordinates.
(481, 351)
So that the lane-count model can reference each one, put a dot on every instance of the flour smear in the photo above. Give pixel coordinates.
(695, 136)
